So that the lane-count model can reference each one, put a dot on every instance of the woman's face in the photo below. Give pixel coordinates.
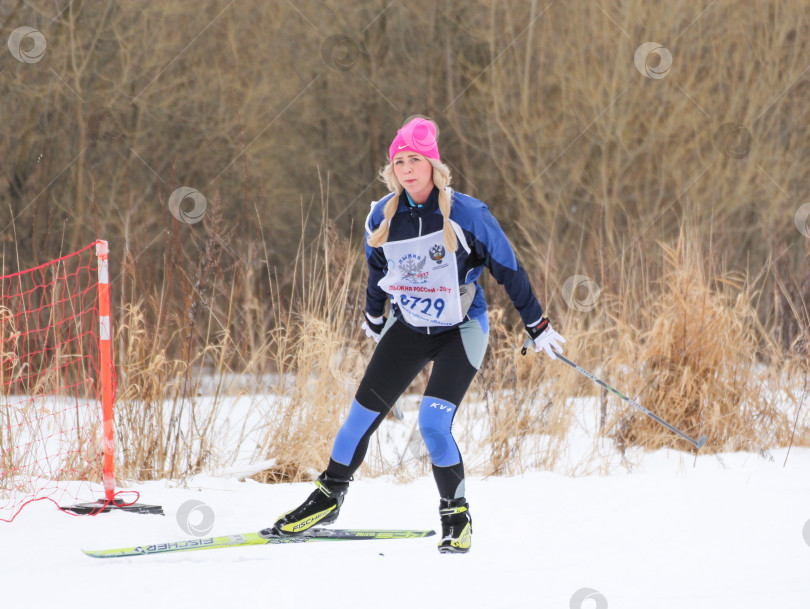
(415, 173)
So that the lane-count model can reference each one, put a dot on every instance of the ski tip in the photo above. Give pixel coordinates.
(701, 442)
(92, 553)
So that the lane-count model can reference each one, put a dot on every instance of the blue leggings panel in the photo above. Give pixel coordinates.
(352, 432)
(435, 423)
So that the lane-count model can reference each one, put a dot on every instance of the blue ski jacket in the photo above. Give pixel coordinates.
(487, 246)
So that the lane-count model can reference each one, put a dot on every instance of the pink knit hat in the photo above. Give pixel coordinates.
(418, 135)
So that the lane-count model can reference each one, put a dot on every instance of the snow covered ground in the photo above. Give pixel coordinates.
(730, 532)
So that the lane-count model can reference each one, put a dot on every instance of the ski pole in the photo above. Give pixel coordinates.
(698, 444)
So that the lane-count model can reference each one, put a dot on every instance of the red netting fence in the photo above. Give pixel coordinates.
(56, 382)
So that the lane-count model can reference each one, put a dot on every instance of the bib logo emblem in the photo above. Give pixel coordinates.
(437, 252)
(412, 268)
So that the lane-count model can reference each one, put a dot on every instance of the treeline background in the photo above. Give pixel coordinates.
(677, 196)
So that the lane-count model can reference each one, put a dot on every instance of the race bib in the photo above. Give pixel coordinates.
(422, 278)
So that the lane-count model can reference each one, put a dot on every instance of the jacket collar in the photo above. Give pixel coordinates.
(432, 203)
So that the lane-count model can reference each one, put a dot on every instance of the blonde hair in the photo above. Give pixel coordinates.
(441, 178)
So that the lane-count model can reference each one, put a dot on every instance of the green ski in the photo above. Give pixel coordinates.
(253, 539)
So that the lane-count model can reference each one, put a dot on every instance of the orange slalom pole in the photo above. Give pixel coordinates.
(105, 350)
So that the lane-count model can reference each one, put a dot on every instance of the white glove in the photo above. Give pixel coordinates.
(545, 338)
(373, 326)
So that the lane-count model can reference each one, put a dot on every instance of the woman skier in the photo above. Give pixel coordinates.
(426, 246)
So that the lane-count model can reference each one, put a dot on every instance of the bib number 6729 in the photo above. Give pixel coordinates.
(423, 305)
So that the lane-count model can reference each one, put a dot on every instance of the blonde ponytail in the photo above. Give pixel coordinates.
(441, 178)
(380, 234)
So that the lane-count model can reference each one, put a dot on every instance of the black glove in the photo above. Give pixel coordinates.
(373, 326)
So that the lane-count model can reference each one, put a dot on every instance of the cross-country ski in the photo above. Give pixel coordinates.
(255, 539)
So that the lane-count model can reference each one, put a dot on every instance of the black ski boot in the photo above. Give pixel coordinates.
(321, 507)
(456, 526)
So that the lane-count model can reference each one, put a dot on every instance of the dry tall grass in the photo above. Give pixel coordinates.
(700, 359)
(317, 356)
